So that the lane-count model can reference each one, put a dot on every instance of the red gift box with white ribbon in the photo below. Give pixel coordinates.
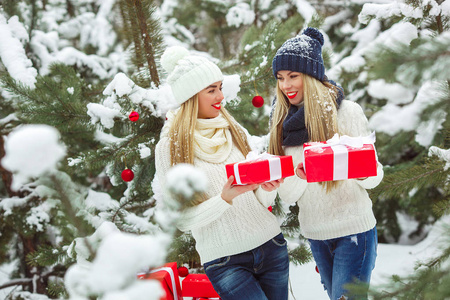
(340, 158)
(168, 276)
(260, 168)
(198, 286)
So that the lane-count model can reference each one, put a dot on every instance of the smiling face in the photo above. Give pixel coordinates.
(209, 101)
(291, 84)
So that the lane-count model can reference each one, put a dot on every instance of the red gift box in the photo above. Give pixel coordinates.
(260, 168)
(170, 282)
(340, 158)
(198, 286)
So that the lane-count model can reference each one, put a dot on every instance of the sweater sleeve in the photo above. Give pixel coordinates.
(264, 197)
(353, 122)
(202, 214)
(192, 217)
(292, 189)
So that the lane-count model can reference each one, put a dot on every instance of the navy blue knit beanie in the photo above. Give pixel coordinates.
(302, 53)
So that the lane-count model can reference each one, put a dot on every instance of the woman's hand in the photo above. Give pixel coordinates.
(300, 171)
(272, 185)
(229, 192)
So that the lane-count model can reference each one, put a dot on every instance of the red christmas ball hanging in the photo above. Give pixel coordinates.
(133, 116)
(317, 269)
(270, 208)
(127, 175)
(258, 101)
(183, 271)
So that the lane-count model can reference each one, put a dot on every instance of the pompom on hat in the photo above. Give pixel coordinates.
(188, 74)
(302, 53)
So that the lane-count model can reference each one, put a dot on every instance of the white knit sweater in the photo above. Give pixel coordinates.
(343, 211)
(221, 229)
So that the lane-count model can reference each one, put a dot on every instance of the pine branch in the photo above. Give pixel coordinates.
(123, 7)
(11, 8)
(18, 89)
(57, 270)
(48, 255)
(439, 23)
(145, 34)
(428, 53)
(34, 16)
(300, 255)
(134, 29)
(14, 282)
(428, 172)
(70, 8)
(6, 175)
(70, 212)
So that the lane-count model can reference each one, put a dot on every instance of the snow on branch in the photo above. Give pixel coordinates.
(240, 14)
(396, 117)
(32, 150)
(112, 274)
(386, 11)
(12, 53)
(442, 154)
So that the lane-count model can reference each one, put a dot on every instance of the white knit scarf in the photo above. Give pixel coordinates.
(212, 139)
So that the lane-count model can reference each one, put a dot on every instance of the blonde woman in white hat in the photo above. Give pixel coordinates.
(239, 241)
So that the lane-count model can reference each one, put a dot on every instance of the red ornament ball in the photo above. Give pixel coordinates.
(270, 208)
(127, 175)
(258, 101)
(133, 116)
(317, 269)
(183, 271)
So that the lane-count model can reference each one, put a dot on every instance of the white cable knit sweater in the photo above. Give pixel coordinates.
(221, 229)
(343, 211)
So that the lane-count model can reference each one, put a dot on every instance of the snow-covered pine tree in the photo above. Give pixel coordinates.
(397, 66)
(58, 73)
(419, 175)
(418, 72)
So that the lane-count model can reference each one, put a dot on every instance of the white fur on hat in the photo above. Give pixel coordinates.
(188, 74)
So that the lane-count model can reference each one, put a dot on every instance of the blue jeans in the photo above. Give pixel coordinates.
(261, 273)
(343, 260)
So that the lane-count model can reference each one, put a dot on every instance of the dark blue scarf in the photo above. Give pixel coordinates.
(295, 132)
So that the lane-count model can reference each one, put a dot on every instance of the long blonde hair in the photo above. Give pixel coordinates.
(319, 100)
(181, 136)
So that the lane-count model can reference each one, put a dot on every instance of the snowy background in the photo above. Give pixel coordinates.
(35, 153)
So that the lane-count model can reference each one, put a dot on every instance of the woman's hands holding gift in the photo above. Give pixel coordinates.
(272, 185)
(229, 191)
(300, 171)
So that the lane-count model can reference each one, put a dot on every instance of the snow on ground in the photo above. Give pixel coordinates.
(392, 259)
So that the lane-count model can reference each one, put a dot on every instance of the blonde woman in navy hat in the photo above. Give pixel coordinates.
(239, 241)
(336, 216)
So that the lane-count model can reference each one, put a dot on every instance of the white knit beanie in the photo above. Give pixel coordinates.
(188, 74)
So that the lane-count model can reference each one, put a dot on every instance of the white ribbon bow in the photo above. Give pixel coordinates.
(356, 142)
